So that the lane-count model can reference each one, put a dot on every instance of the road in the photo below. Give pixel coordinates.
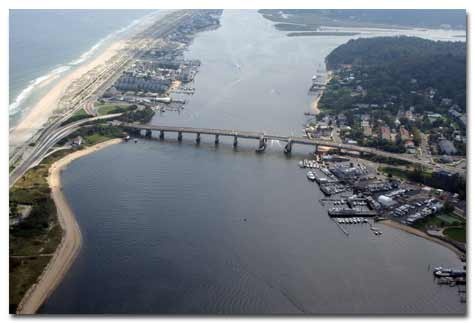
(295, 140)
(40, 150)
(84, 96)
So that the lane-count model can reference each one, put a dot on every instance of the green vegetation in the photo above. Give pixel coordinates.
(34, 239)
(369, 18)
(139, 115)
(23, 273)
(104, 109)
(399, 70)
(78, 115)
(453, 226)
(97, 133)
(384, 160)
(392, 92)
(322, 33)
(454, 183)
(457, 234)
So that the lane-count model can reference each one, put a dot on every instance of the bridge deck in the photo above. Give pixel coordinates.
(292, 139)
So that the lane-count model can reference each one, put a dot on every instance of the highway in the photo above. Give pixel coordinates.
(85, 96)
(40, 150)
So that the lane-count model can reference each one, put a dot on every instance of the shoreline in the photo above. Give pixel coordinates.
(34, 118)
(71, 241)
(37, 117)
(419, 233)
(316, 101)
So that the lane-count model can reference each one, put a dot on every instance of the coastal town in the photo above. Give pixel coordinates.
(377, 159)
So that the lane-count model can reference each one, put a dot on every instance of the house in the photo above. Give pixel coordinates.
(410, 147)
(385, 133)
(404, 134)
(77, 142)
(366, 128)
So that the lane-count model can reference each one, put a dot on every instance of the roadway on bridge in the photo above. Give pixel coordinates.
(293, 140)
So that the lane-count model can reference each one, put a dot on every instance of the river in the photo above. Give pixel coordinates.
(181, 228)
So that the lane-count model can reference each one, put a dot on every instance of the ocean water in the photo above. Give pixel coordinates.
(45, 44)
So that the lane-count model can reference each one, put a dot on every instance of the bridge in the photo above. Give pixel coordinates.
(264, 137)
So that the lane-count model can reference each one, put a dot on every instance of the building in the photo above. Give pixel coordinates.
(366, 128)
(346, 172)
(386, 201)
(404, 134)
(410, 146)
(385, 133)
(77, 142)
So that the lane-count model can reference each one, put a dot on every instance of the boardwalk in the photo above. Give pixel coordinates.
(289, 140)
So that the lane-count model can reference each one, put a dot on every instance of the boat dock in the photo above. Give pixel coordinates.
(347, 212)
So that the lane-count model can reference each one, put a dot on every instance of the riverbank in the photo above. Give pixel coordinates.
(70, 245)
(414, 231)
(316, 101)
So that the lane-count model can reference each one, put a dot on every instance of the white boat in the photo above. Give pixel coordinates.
(311, 176)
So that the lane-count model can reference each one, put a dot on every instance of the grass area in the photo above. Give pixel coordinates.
(321, 33)
(384, 160)
(40, 233)
(397, 172)
(78, 115)
(108, 108)
(440, 220)
(403, 173)
(450, 219)
(23, 273)
(458, 234)
(430, 221)
(95, 139)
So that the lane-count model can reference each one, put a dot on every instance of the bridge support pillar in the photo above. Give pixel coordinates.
(162, 134)
(180, 136)
(288, 147)
(235, 143)
(316, 150)
(148, 133)
(198, 137)
(262, 144)
(216, 139)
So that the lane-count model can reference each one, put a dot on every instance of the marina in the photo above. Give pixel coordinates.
(233, 247)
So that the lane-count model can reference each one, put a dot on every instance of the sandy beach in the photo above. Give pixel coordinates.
(316, 101)
(39, 114)
(69, 247)
(421, 234)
